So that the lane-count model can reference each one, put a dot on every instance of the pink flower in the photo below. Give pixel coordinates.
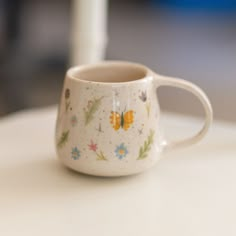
(93, 146)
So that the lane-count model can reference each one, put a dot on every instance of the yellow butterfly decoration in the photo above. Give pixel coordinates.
(123, 120)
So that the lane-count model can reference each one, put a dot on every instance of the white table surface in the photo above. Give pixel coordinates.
(190, 192)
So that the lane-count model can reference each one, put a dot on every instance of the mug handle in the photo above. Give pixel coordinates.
(192, 88)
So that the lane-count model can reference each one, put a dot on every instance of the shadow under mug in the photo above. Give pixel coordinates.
(108, 118)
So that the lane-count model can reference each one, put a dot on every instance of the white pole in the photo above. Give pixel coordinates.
(88, 31)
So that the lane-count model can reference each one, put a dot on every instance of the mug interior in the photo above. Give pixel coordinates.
(113, 72)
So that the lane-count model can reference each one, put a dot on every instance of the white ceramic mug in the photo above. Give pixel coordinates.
(108, 118)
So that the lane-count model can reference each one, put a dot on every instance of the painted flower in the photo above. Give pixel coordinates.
(143, 96)
(67, 93)
(75, 153)
(89, 104)
(121, 151)
(92, 146)
(74, 120)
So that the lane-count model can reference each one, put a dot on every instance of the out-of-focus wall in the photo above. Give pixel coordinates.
(194, 43)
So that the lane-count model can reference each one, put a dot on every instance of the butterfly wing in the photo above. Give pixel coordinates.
(128, 119)
(115, 120)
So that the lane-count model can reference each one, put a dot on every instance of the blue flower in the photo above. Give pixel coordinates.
(75, 153)
(121, 151)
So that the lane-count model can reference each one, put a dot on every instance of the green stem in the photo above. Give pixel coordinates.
(143, 150)
(100, 156)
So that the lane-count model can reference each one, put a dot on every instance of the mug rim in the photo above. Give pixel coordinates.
(71, 71)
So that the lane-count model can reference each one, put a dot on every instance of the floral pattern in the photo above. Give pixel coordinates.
(67, 93)
(63, 139)
(67, 101)
(143, 96)
(74, 120)
(100, 155)
(91, 109)
(119, 120)
(92, 146)
(75, 153)
(144, 150)
(121, 151)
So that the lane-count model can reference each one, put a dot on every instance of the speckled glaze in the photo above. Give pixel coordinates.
(108, 125)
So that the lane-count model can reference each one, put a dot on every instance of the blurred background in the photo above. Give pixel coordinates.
(191, 39)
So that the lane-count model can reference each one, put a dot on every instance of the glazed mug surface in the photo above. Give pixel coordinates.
(108, 118)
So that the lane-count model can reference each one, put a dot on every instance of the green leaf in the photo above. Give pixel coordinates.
(101, 156)
(63, 139)
(144, 156)
(143, 151)
(145, 145)
(89, 113)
